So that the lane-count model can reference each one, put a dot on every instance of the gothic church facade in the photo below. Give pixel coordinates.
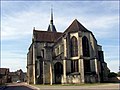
(72, 56)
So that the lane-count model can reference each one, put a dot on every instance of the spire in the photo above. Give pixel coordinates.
(51, 21)
(51, 26)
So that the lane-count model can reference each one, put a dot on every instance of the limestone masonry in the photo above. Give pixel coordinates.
(72, 56)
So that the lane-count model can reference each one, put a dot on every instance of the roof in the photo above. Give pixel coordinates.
(4, 70)
(76, 26)
(46, 36)
(52, 36)
(12, 73)
(51, 28)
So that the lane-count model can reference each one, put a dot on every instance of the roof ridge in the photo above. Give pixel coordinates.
(46, 31)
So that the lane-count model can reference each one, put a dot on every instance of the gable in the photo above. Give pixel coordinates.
(76, 26)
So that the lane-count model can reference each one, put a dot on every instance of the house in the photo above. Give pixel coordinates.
(18, 75)
(4, 75)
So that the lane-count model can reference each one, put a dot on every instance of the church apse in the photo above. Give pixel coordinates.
(68, 57)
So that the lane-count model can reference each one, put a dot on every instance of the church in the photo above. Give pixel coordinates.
(69, 57)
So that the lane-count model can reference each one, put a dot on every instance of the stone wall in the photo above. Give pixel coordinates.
(72, 79)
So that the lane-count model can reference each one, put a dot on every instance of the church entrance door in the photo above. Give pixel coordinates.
(58, 71)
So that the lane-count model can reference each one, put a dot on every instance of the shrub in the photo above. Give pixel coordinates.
(112, 74)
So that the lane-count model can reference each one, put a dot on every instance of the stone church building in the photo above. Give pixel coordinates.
(72, 56)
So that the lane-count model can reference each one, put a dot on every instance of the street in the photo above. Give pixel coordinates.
(18, 86)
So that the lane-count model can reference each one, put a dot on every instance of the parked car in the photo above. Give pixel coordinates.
(18, 81)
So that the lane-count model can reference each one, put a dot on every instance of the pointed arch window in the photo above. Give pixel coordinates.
(74, 66)
(74, 47)
(85, 46)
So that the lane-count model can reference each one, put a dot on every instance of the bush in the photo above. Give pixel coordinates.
(118, 74)
(112, 74)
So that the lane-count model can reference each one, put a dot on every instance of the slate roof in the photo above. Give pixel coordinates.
(52, 36)
(46, 36)
(51, 28)
(76, 26)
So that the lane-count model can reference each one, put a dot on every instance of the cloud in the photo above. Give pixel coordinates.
(14, 60)
(14, 64)
(111, 52)
(113, 65)
(21, 24)
(19, 18)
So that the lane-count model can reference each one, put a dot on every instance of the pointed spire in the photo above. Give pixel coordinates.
(51, 21)
(51, 26)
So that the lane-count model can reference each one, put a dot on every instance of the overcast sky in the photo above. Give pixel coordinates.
(19, 17)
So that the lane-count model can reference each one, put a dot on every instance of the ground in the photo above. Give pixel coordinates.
(24, 86)
(17, 86)
(106, 86)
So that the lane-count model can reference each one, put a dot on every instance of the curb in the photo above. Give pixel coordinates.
(33, 87)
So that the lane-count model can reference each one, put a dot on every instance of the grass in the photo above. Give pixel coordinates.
(82, 84)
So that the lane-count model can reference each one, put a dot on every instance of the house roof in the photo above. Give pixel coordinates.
(76, 26)
(12, 73)
(4, 70)
(46, 36)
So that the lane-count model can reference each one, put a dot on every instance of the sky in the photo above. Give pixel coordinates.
(19, 17)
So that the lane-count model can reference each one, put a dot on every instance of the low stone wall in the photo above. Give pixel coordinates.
(71, 79)
(90, 79)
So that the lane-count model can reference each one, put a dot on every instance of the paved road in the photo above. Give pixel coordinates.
(18, 86)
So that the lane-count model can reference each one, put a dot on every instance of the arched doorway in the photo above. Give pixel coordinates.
(58, 71)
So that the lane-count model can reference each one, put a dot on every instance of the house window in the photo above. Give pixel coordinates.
(85, 46)
(74, 66)
(74, 47)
